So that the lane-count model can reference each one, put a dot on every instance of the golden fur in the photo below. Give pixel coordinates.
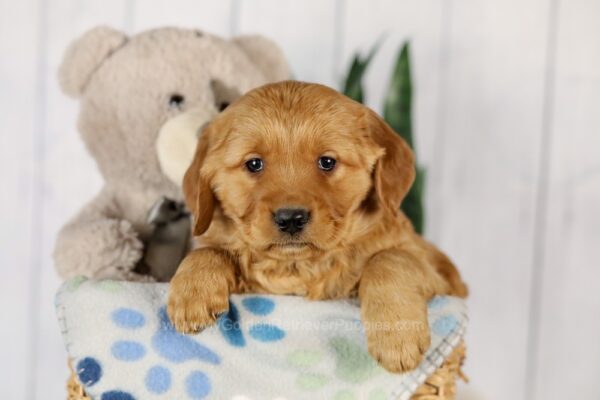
(357, 241)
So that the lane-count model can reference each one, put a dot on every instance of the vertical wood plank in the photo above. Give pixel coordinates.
(483, 180)
(568, 350)
(304, 30)
(70, 175)
(210, 16)
(19, 46)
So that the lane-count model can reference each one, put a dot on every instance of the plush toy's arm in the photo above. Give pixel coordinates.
(99, 243)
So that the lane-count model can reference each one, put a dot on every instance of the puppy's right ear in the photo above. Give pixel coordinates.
(85, 55)
(395, 169)
(199, 196)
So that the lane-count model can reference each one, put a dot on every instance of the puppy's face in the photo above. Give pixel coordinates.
(294, 166)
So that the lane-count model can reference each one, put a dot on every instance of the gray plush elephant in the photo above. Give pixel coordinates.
(143, 102)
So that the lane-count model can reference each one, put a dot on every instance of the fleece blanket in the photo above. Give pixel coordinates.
(123, 347)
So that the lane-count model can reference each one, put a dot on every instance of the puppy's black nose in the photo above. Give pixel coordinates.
(291, 220)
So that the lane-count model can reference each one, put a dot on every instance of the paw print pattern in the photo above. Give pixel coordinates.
(158, 361)
(444, 324)
(88, 371)
(177, 348)
(167, 343)
(230, 325)
(438, 302)
(158, 379)
(353, 365)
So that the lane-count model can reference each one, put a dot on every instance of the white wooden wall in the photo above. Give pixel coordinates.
(507, 124)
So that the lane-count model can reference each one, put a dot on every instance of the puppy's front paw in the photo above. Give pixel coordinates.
(399, 348)
(195, 303)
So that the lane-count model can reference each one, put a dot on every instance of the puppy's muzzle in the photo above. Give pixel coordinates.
(291, 220)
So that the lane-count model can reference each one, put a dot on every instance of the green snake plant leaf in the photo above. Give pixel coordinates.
(397, 112)
(353, 86)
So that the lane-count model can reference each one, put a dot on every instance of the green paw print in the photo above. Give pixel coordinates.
(73, 284)
(106, 285)
(110, 286)
(353, 366)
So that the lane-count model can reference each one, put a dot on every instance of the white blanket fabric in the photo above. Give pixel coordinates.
(123, 347)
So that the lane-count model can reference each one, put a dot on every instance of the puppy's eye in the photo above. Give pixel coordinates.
(223, 105)
(326, 163)
(176, 101)
(255, 165)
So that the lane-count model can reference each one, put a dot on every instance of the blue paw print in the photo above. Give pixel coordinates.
(444, 325)
(230, 325)
(177, 348)
(438, 302)
(167, 343)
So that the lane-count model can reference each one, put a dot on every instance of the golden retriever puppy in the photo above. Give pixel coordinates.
(295, 189)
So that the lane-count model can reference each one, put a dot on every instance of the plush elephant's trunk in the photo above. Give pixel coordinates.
(177, 141)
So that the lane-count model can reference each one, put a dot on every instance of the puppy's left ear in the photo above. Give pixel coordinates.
(394, 170)
(199, 196)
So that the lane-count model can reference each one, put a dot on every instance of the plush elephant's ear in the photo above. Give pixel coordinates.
(84, 56)
(266, 55)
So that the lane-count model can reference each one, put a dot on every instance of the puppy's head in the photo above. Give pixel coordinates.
(295, 167)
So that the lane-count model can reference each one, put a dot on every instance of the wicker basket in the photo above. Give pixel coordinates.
(441, 385)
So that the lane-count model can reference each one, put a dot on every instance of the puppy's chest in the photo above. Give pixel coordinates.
(334, 277)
